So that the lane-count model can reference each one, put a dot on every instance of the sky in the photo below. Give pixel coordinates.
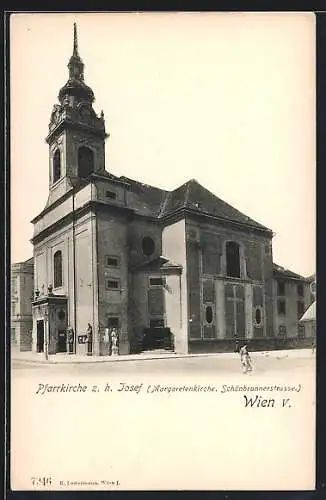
(227, 99)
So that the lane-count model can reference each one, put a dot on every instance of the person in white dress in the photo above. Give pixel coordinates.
(245, 359)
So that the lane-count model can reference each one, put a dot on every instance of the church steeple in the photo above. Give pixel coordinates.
(76, 65)
(76, 86)
(76, 133)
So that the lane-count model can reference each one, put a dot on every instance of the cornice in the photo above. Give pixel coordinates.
(184, 212)
(68, 124)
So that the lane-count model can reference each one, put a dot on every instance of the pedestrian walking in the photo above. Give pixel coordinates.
(70, 339)
(245, 359)
(313, 347)
(89, 337)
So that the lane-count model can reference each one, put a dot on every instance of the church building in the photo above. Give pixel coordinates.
(180, 269)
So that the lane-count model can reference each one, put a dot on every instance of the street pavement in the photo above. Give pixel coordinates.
(126, 426)
(302, 361)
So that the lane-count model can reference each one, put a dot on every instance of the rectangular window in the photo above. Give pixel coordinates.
(13, 285)
(112, 284)
(301, 332)
(300, 290)
(300, 308)
(112, 261)
(13, 336)
(208, 291)
(156, 323)
(280, 288)
(111, 195)
(157, 281)
(281, 307)
(282, 331)
(13, 309)
(113, 322)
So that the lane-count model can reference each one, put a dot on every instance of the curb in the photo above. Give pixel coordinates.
(114, 360)
(230, 355)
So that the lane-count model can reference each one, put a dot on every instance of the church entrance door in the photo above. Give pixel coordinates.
(157, 338)
(40, 336)
(62, 341)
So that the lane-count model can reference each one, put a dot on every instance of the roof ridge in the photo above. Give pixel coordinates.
(187, 192)
(126, 179)
(285, 270)
(163, 203)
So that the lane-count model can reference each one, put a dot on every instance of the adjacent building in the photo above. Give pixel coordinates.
(181, 268)
(307, 323)
(292, 297)
(22, 289)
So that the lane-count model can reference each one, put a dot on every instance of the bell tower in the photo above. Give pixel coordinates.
(76, 135)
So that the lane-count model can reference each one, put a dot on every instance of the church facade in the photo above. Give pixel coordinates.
(181, 268)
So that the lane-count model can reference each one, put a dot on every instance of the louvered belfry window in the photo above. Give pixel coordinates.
(85, 162)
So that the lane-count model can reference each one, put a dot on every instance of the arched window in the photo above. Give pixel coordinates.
(85, 162)
(57, 269)
(232, 259)
(56, 166)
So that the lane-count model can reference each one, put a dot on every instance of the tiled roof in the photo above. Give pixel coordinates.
(149, 200)
(146, 199)
(195, 197)
(281, 272)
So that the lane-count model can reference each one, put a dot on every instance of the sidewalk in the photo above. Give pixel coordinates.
(32, 357)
